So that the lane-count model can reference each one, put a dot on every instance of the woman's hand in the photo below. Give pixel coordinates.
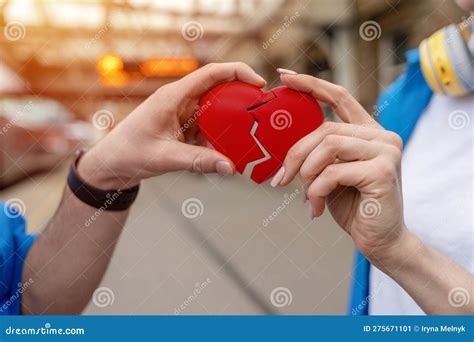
(353, 167)
(153, 139)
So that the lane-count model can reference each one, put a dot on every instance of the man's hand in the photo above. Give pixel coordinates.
(71, 255)
(353, 166)
(152, 140)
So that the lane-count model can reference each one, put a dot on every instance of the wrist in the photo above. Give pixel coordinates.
(110, 196)
(392, 256)
(101, 171)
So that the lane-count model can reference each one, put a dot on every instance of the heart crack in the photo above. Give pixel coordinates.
(251, 165)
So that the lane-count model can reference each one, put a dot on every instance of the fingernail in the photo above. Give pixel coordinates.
(311, 213)
(262, 79)
(224, 168)
(278, 177)
(286, 71)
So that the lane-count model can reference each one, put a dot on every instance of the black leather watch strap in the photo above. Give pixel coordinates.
(109, 200)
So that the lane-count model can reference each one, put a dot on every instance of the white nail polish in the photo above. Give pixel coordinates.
(286, 71)
(278, 177)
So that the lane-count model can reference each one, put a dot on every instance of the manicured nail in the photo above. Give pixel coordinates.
(278, 177)
(286, 71)
(224, 168)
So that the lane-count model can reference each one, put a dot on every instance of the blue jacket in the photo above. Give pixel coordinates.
(14, 245)
(398, 109)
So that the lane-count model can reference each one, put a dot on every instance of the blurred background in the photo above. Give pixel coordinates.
(71, 70)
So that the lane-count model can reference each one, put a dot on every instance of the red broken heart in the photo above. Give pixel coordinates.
(256, 129)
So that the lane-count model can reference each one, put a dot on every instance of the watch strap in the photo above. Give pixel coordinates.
(108, 200)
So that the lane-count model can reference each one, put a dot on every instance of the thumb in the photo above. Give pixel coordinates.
(203, 160)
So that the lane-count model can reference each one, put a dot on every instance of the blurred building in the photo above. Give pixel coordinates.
(112, 54)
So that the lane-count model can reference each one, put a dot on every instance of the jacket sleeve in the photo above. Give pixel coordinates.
(14, 246)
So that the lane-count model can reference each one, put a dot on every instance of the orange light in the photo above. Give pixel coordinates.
(109, 64)
(110, 69)
(169, 66)
(117, 79)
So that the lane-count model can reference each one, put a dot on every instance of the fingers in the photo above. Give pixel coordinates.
(202, 160)
(340, 100)
(336, 148)
(202, 80)
(345, 174)
(301, 150)
(368, 177)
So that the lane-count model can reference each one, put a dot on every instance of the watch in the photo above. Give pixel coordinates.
(108, 200)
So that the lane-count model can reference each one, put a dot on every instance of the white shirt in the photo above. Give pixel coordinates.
(437, 178)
